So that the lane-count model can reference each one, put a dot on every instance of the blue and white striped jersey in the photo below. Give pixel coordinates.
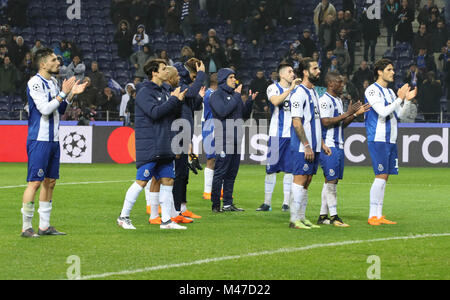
(305, 105)
(382, 119)
(45, 109)
(281, 122)
(331, 107)
(207, 112)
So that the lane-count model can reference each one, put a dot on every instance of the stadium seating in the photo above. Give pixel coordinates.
(94, 33)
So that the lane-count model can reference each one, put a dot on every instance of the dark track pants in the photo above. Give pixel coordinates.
(181, 181)
(225, 172)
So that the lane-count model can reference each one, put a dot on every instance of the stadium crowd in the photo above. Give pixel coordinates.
(333, 40)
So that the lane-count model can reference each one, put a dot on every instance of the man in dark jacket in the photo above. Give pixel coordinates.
(154, 113)
(97, 77)
(261, 105)
(198, 45)
(227, 107)
(363, 74)
(309, 46)
(422, 39)
(192, 76)
(439, 37)
(123, 39)
(370, 32)
(429, 98)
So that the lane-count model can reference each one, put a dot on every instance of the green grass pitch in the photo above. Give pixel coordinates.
(243, 246)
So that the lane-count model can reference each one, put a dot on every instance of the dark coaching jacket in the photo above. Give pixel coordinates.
(226, 104)
(155, 111)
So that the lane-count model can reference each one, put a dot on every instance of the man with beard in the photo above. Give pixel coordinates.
(382, 130)
(279, 156)
(306, 141)
(47, 102)
(334, 120)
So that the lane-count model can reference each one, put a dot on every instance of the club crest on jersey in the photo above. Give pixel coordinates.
(147, 173)
(324, 105)
(371, 93)
(332, 172)
(380, 168)
(296, 104)
(40, 173)
(305, 167)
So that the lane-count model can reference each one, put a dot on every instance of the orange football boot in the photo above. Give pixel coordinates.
(155, 221)
(383, 220)
(374, 221)
(182, 220)
(207, 196)
(190, 214)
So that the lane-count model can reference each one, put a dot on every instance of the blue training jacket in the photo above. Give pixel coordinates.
(155, 111)
(226, 104)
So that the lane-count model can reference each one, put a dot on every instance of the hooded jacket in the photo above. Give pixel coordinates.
(192, 101)
(226, 104)
(155, 111)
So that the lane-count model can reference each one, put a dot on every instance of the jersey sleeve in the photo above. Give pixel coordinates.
(297, 103)
(376, 99)
(373, 96)
(40, 98)
(272, 90)
(325, 108)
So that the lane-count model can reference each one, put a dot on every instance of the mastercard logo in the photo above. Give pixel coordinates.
(122, 145)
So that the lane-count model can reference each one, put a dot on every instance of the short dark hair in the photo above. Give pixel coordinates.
(152, 65)
(41, 54)
(381, 65)
(282, 66)
(305, 64)
(331, 76)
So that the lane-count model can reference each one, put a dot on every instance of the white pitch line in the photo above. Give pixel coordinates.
(235, 257)
(68, 183)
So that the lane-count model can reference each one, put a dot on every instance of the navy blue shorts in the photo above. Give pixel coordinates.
(384, 158)
(333, 166)
(159, 169)
(279, 157)
(303, 167)
(43, 160)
